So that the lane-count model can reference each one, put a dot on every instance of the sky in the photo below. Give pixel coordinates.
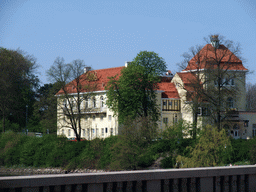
(107, 33)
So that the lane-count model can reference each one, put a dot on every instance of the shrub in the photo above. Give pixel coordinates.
(253, 151)
(10, 148)
(213, 148)
(106, 156)
(241, 150)
(168, 162)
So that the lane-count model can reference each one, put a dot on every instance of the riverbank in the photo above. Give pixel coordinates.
(38, 171)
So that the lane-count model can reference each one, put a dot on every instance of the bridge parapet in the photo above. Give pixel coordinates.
(236, 178)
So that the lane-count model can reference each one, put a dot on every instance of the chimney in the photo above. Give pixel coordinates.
(86, 69)
(127, 63)
(215, 41)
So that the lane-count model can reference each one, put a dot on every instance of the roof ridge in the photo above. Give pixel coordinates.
(107, 68)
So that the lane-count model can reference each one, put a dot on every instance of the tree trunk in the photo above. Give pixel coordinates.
(3, 121)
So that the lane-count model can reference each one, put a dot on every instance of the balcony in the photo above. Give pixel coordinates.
(87, 110)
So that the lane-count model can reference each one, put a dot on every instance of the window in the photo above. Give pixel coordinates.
(227, 82)
(101, 101)
(165, 120)
(170, 105)
(111, 131)
(69, 132)
(93, 131)
(203, 111)
(109, 117)
(83, 132)
(86, 104)
(88, 134)
(94, 103)
(86, 118)
(253, 132)
(106, 130)
(232, 82)
(199, 111)
(101, 117)
(230, 102)
(64, 104)
(236, 133)
(246, 123)
(93, 117)
(175, 118)
(102, 132)
(63, 132)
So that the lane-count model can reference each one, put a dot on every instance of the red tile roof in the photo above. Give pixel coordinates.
(207, 56)
(102, 80)
(169, 89)
(190, 81)
(101, 76)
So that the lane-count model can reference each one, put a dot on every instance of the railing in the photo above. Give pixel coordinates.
(236, 178)
(87, 110)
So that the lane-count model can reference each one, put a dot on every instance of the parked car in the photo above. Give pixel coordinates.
(75, 139)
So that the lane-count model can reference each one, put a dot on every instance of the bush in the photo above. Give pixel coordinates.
(90, 156)
(146, 159)
(241, 150)
(10, 148)
(253, 151)
(106, 156)
(168, 162)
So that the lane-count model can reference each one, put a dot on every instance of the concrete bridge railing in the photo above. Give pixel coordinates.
(236, 178)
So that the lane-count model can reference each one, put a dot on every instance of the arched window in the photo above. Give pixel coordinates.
(101, 101)
(230, 102)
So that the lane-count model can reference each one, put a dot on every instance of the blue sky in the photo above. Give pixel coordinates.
(107, 33)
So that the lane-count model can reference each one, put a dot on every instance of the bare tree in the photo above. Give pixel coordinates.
(251, 97)
(216, 78)
(77, 85)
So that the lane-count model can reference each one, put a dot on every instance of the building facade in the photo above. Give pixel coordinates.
(98, 121)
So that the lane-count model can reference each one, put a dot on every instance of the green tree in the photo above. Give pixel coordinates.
(134, 93)
(45, 108)
(213, 148)
(17, 84)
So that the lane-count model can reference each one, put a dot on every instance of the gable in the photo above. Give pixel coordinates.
(207, 56)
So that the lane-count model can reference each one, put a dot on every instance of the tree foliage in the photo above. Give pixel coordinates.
(17, 84)
(45, 109)
(133, 94)
(130, 150)
(213, 148)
